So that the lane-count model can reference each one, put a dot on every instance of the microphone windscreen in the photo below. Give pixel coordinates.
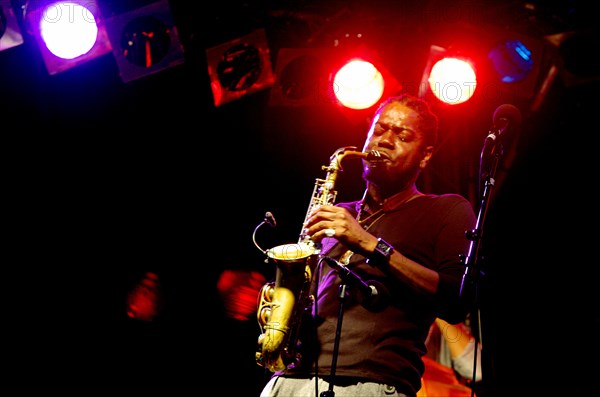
(509, 112)
(270, 219)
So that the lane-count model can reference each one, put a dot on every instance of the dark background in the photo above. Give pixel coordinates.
(105, 181)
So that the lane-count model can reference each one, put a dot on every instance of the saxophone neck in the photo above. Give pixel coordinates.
(343, 152)
(340, 154)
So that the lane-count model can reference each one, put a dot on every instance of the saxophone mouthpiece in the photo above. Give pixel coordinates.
(374, 155)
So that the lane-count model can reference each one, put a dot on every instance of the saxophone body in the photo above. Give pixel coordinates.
(284, 302)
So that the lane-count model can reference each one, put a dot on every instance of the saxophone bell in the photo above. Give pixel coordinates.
(282, 304)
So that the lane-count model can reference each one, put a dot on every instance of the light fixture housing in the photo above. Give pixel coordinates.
(145, 41)
(62, 18)
(239, 67)
(10, 33)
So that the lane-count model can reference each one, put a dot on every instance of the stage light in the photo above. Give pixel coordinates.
(352, 79)
(453, 80)
(512, 60)
(302, 78)
(145, 301)
(238, 291)
(358, 84)
(145, 41)
(10, 33)
(68, 33)
(575, 57)
(521, 65)
(239, 67)
(506, 67)
(449, 76)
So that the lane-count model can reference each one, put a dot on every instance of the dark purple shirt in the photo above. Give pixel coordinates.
(386, 345)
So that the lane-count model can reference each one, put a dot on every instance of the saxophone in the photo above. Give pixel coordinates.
(282, 303)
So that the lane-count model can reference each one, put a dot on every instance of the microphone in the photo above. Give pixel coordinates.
(506, 118)
(374, 294)
(270, 219)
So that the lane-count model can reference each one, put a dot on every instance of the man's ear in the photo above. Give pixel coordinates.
(427, 153)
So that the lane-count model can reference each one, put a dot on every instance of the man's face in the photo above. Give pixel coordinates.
(396, 134)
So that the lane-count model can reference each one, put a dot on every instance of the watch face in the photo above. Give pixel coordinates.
(384, 248)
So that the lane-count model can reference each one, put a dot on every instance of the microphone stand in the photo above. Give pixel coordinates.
(374, 298)
(336, 343)
(338, 330)
(472, 272)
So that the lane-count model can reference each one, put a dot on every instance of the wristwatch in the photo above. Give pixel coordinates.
(382, 253)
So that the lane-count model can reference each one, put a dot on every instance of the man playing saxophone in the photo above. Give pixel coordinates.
(407, 243)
